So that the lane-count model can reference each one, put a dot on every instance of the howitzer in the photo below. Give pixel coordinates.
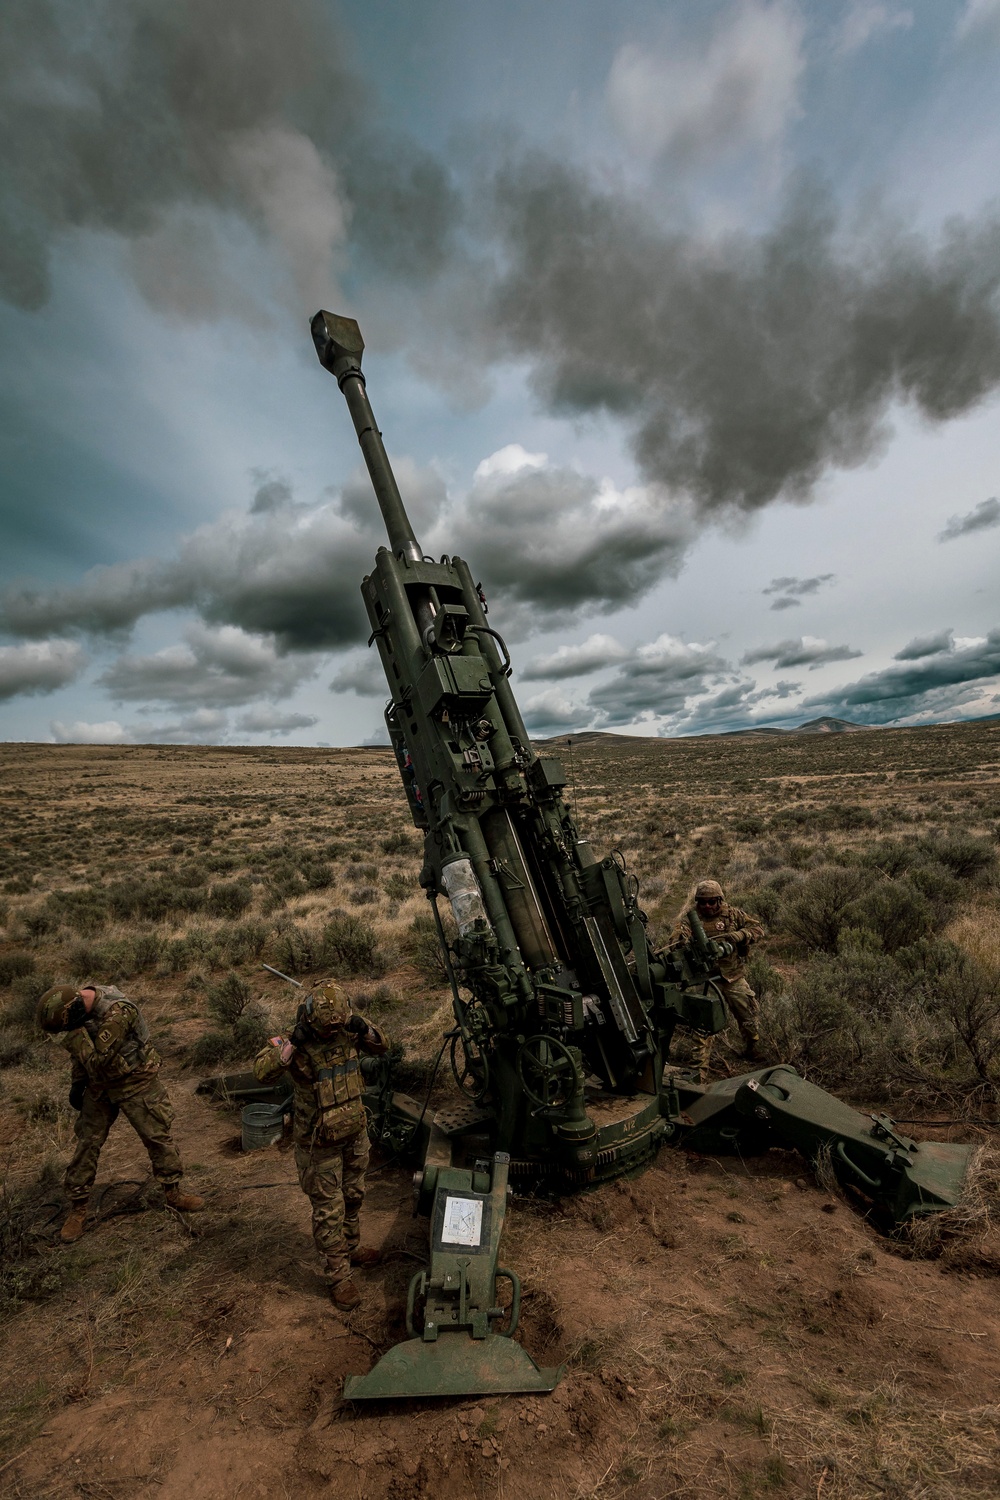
(564, 1011)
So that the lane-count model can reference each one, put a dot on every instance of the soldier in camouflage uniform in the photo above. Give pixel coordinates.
(331, 1136)
(115, 1070)
(728, 924)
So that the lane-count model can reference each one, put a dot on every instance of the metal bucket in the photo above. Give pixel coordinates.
(262, 1125)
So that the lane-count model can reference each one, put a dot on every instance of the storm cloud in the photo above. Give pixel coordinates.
(934, 681)
(556, 541)
(658, 678)
(985, 516)
(807, 651)
(791, 591)
(288, 571)
(223, 667)
(743, 367)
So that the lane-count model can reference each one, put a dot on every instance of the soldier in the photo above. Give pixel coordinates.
(331, 1136)
(115, 1069)
(728, 924)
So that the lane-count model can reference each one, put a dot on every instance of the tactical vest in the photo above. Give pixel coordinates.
(328, 1089)
(136, 1048)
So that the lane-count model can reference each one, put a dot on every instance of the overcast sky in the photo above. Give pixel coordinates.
(682, 325)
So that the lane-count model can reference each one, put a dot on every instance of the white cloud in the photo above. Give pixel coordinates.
(39, 667)
(576, 661)
(866, 19)
(978, 17)
(738, 88)
(553, 710)
(110, 732)
(509, 460)
(215, 666)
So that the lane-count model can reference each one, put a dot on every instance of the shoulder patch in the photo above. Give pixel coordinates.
(105, 1035)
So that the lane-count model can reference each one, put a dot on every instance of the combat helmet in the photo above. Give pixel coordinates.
(709, 890)
(328, 1007)
(60, 1009)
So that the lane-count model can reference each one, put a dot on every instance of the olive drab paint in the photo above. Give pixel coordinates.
(564, 1011)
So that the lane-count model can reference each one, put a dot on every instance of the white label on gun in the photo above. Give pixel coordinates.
(463, 1221)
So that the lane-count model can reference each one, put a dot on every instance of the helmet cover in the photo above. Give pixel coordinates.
(53, 1009)
(708, 890)
(328, 1007)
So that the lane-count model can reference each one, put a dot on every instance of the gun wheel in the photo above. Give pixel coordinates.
(470, 1067)
(547, 1071)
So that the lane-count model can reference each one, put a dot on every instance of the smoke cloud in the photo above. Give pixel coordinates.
(743, 367)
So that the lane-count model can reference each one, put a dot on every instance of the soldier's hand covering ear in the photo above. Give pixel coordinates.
(76, 1092)
(358, 1025)
(75, 1015)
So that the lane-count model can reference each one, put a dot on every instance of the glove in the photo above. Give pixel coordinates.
(75, 1015)
(77, 1089)
(358, 1025)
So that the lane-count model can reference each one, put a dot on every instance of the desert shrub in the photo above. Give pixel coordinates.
(361, 870)
(14, 965)
(351, 944)
(26, 991)
(317, 874)
(250, 1032)
(399, 887)
(230, 999)
(964, 855)
(967, 996)
(748, 826)
(761, 901)
(817, 910)
(194, 873)
(211, 1049)
(892, 857)
(817, 1025)
(230, 898)
(152, 900)
(85, 911)
(423, 948)
(197, 946)
(37, 923)
(895, 911)
(297, 950)
(17, 1044)
(941, 888)
(245, 941)
(399, 843)
(87, 960)
(364, 895)
(765, 981)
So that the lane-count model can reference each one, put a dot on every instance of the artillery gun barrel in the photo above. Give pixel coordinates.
(340, 346)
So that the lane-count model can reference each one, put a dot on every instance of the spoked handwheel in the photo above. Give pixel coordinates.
(547, 1071)
(469, 1062)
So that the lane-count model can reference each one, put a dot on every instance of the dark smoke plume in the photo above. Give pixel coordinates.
(746, 367)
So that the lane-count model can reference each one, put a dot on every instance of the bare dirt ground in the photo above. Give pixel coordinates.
(729, 1328)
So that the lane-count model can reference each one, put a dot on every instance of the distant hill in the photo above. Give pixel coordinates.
(825, 725)
(811, 726)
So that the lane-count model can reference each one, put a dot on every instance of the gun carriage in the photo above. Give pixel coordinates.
(564, 1011)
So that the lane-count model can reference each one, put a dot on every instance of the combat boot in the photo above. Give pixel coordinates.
(185, 1203)
(366, 1257)
(751, 1049)
(345, 1296)
(76, 1218)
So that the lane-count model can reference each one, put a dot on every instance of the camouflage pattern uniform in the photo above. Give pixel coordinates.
(113, 1054)
(329, 1130)
(733, 925)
